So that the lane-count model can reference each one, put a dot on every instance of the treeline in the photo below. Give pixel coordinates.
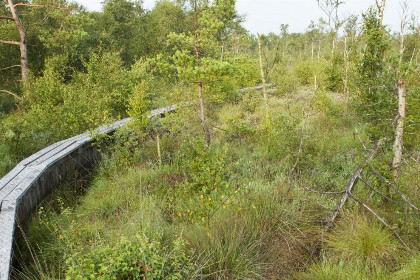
(86, 68)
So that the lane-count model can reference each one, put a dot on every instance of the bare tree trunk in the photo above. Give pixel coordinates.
(403, 25)
(262, 76)
(346, 66)
(202, 114)
(381, 9)
(399, 130)
(312, 53)
(22, 44)
(158, 149)
(319, 50)
(199, 83)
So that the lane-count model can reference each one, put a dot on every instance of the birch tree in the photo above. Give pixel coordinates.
(330, 9)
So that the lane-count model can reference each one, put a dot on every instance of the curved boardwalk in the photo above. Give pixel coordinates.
(23, 188)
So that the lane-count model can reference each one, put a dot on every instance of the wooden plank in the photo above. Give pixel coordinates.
(7, 229)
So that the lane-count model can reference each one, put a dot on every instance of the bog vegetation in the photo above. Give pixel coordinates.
(314, 177)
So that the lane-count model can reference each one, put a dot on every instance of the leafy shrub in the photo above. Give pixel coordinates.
(206, 167)
(140, 258)
(334, 74)
(305, 74)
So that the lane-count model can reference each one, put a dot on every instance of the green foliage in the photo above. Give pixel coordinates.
(305, 73)
(140, 258)
(334, 74)
(207, 168)
(54, 110)
(375, 78)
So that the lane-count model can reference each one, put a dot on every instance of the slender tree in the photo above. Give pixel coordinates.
(196, 56)
(24, 64)
(22, 43)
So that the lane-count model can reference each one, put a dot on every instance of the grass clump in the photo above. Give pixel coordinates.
(358, 237)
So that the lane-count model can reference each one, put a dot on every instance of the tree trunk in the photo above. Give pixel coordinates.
(381, 9)
(158, 149)
(319, 50)
(312, 51)
(199, 83)
(22, 44)
(262, 76)
(399, 130)
(346, 66)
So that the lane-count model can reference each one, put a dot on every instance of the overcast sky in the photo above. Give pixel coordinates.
(265, 16)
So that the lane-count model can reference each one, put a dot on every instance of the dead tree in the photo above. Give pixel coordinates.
(262, 75)
(381, 8)
(399, 129)
(330, 8)
(403, 26)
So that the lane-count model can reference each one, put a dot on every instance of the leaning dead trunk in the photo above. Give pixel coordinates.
(399, 129)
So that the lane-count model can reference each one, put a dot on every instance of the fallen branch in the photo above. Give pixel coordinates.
(6, 68)
(375, 190)
(350, 185)
(11, 93)
(360, 139)
(386, 181)
(381, 220)
(9, 42)
(6, 17)
(327, 193)
(299, 154)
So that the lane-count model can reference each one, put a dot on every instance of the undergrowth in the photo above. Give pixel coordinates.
(224, 211)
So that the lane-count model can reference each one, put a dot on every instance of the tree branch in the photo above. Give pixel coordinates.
(6, 17)
(375, 190)
(299, 154)
(10, 42)
(326, 193)
(386, 181)
(350, 185)
(6, 68)
(43, 6)
(12, 94)
(360, 139)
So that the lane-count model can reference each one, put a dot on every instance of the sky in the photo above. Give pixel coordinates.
(266, 16)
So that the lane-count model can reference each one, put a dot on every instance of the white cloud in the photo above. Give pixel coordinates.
(265, 16)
